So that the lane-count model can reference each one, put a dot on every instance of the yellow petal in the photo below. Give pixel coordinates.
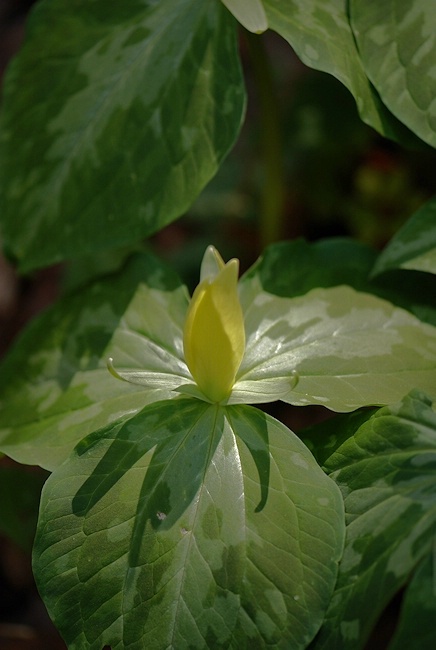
(214, 337)
(212, 263)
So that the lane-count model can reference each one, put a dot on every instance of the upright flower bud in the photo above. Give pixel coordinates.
(214, 337)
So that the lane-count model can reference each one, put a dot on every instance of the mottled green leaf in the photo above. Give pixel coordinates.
(414, 245)
(335, 347)
(398, 51)
(320, 33)
(293, 543)
(55, 387)
(324, 438)
(250, 14)
(115, 115)
(293, 268)
(387, 475)
(416, 628)
(166, 548)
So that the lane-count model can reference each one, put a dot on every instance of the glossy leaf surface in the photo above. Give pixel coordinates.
(292, 268)
(320, 33)
(335, 347)
(250, 14)
(114, 118)
(191, 525)
(398, 52)
(386, 473)
(55, 387)
(416, 626)
(346, 349)
(414, 245)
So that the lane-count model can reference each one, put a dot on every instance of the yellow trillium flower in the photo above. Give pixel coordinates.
(214, 336)
(200, 355)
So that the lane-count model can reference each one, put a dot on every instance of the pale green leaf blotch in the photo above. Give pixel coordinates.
(250, 13)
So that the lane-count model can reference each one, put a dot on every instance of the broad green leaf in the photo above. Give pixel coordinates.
(387, 475)
(324, 438)
(398, 52)
(320, 33)
(55, 387)
(416, 629)
(335, 347)
(414, 245)
(293, 543)
(167, 548)
(293, 268)
(425, 262)
(115, 115)
(250, 14)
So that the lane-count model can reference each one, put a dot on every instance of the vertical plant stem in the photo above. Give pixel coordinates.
(272, 195)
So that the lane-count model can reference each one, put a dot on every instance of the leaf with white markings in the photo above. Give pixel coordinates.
(250, 14)
(332, 346)
(320, 33)
(414, 245)
(115, 116)
(55, 387)
(387, 474)
(190, 524)
(397, 49)
(416, 628)
(335, 347)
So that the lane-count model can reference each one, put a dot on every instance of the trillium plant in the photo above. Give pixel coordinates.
(211, 347)
(179, 510)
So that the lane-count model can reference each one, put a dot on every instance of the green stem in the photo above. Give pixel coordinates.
(273, 191)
